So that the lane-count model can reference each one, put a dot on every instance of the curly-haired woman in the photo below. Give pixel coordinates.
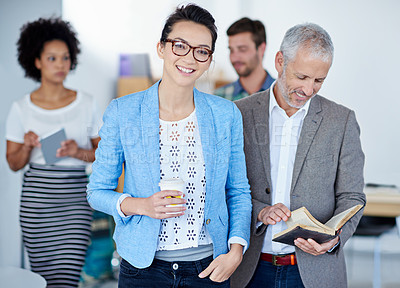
(54, 214)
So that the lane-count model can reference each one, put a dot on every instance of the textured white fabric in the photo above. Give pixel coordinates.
(181, 156)
(80, 119)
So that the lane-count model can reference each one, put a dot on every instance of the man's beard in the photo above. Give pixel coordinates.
(281, 82)
(250, 67)
(245, 73)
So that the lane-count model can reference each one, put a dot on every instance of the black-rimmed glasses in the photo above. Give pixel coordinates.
(181, 48)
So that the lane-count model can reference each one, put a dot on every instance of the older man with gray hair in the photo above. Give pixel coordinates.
(301, 150)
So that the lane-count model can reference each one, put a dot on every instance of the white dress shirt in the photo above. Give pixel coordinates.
(284, 134)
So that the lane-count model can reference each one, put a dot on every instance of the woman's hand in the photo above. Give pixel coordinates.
(155, 206)
(31, 140)
(68, 148)
(222, 267)
(18, 154)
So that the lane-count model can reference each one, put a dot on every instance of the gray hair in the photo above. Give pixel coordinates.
(310, 36)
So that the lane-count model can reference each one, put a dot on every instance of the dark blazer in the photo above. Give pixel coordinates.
(327, 179)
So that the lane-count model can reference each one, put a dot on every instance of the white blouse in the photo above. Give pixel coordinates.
(181, 156)
(80, 119)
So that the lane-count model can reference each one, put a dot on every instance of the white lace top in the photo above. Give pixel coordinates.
(181, 156)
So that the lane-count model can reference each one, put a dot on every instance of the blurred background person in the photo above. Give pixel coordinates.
(55, 217)
(247, 43)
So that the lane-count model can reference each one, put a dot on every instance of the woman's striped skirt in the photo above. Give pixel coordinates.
(56, 222)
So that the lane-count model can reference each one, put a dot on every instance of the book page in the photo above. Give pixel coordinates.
(337, 221)
(303, 217)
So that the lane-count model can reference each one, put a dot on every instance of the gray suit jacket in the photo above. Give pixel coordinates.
(327, 179)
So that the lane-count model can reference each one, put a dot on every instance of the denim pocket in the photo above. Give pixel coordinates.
(129, 270)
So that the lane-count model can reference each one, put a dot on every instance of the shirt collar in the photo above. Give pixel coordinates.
(238, 88)
(273, 104)
(268, 82)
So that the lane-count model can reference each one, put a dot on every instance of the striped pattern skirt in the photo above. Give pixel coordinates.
(56, 222)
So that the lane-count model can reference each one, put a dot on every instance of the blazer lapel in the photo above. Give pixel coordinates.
(150, 134)
(261, 124)
(206, 124)
(310, 127)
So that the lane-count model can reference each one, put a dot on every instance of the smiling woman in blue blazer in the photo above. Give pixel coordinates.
(172, 130)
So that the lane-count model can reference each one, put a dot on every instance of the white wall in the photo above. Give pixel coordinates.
(363, 76)
(13, 14)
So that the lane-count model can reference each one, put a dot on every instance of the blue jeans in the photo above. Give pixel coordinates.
(270, 276)
(180, 274)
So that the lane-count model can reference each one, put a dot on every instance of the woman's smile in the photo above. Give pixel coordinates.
(185, 70)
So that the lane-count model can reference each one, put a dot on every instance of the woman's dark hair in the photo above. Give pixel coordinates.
(194, 13)
(33, 37)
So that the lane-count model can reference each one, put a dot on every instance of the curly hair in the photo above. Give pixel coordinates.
(33, 37)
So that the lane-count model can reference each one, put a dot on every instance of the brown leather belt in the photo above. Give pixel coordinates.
(279, 260)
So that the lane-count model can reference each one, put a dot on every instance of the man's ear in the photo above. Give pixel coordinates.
(261, 49)
(160, 50)
(279, 62)
(38, 65)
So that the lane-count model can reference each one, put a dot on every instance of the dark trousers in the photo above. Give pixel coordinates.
(270, 276)
(180, 274)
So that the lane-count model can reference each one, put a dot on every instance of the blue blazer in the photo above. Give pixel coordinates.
(130, 137)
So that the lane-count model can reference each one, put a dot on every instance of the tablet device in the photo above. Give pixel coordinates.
(50, 144)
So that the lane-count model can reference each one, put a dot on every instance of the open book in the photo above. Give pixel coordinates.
(302, 224)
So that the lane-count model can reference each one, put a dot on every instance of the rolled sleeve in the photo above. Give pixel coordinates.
(120, 199)
(238, 240)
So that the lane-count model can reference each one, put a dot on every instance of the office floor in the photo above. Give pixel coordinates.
(360, 262)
